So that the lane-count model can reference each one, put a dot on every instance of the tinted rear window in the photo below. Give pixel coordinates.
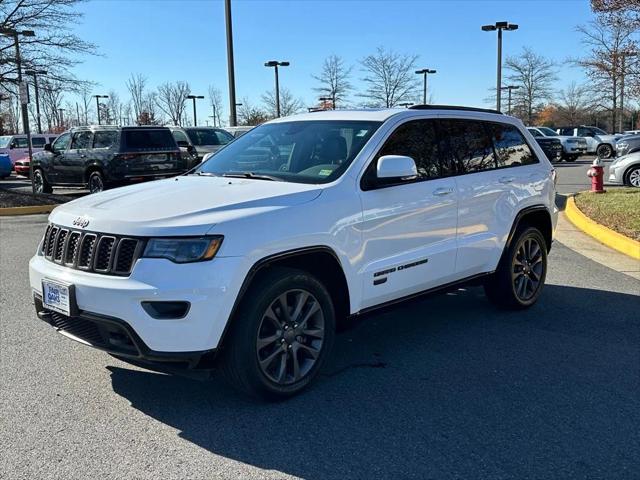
(38, 142)
(471, 147)
(148, 140)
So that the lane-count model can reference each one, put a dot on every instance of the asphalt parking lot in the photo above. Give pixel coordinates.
(444, 387)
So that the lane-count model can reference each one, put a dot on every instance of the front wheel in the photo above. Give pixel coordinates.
(604, 151)
(518, 280)
(40, 183)
(281, 335)
(571, 158)
(633, 177)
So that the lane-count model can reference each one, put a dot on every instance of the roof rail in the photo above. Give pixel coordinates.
(454, 107)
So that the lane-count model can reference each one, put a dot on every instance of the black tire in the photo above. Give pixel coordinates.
(41, 185)
(604, 151)
(95, 182)
(571, 158)
(518, 280)
(632, 177)
(257, 368)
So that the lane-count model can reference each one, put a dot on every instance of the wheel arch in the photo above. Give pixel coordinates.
(536, 216)
(93, 167)
(320, 260)
(627, 172)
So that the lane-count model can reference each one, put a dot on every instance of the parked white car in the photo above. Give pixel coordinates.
(599, 142)
(250, 261)
(572, 147)
(626, 170)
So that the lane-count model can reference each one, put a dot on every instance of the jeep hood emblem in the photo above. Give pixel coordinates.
(81, 222)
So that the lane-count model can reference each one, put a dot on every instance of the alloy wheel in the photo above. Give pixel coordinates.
(38, 182)
(527, 269)
(634, 178)
(95, 184)
(290, 337)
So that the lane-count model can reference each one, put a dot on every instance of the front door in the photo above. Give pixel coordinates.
(72, 163)
(408, 227)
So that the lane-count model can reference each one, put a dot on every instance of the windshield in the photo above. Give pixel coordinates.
(547, 132)
(208, 136)
(299, 152)
(4, 141)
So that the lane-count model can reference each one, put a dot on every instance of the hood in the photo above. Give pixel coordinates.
(608, 138)
(186, 205)
(204, 149)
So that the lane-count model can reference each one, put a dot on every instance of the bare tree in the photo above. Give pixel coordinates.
(52, 97)
(171, 99)
(608, 39)
(54, 47)
(114, 108)
(334, 80)
(389, 77)
(535, 75)
(289, 105)
(630, 7)
(575, 104)
(217, 105)
(136, 85)
(248, 114)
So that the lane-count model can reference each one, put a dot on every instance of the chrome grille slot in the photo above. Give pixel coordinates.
(58, 251)
(85, 256)
(104, 253)
(91, 252)
(72, 248)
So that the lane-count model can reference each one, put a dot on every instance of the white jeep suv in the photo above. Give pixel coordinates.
(249, 262)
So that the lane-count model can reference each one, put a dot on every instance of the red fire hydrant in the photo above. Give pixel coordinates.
(596, 172)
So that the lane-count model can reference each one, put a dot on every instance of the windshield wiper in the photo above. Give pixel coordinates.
(252, 175)
(203, 174)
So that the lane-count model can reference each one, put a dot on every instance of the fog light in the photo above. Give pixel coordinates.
(166, 310)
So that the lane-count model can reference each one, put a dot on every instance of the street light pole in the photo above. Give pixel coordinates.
(98, 97)
(195, 116)
(24, 91)
(60, 111)
(275, 64)
(424, 72)
(510, 88)
(35, 74)
(499, 26)
(233, 117)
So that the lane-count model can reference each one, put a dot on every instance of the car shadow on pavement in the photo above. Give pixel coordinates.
(442, 387)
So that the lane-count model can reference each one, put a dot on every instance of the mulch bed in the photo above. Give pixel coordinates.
(10, 198)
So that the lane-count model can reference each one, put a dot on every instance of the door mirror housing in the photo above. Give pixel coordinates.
(191, 149)
(47, 147)
(12, 145)
(397, 167)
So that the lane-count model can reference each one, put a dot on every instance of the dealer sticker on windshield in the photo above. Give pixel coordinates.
(56, 297)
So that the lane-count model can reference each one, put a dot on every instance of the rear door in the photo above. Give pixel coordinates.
(409, 227)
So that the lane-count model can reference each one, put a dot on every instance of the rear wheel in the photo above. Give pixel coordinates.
(281, 335)
(40, 183)
(571, 158)
(632, 178)
(520, 275)
(96, 182)
(604, 151)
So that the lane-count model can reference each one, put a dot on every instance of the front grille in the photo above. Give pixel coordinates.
(91, 252)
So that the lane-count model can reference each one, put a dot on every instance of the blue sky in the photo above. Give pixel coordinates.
(169, 40)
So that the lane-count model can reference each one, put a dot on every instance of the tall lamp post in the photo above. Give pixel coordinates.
(624, 55)
(233, 117)
(34, 74)
(24, 91)
(499, 26)
(510, 87)
(275, 64)
(98, 97)
(425, 72)
(61, 115)
(194, 98)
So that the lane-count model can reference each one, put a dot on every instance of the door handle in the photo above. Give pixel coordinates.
(83, 156)
(507, 179)
(439, 192)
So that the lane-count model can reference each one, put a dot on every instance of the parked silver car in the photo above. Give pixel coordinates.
(627, 145)
(626, 170)
(203, 140)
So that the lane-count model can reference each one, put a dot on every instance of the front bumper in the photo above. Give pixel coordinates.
(210, 288)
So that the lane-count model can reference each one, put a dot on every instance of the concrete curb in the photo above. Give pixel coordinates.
(31, 210)
(601, 233)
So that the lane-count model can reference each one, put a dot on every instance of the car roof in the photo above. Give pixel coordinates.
(383, 114)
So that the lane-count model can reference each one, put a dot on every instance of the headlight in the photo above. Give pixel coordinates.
(622, 145)
(183, 250)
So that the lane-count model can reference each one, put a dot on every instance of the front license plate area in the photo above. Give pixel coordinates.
(59, 297)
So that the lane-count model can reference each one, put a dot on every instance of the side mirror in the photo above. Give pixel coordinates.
(12, 145)
(191, 149)
(47, 147)
(183, 144)
(396, 167)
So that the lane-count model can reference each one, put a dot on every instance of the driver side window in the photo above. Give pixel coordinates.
(61, 143)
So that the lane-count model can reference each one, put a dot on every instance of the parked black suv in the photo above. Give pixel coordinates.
(552, 148)
(101, 157)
